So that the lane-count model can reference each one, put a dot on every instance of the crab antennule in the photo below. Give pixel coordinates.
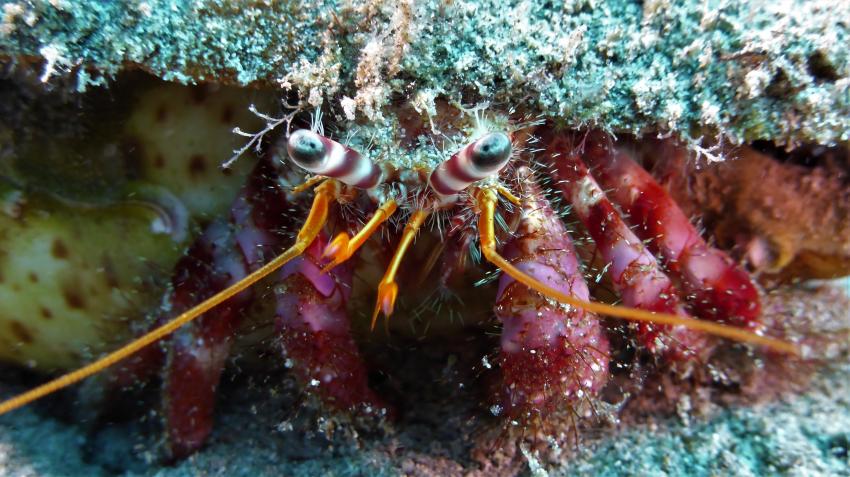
(343, 247)
(388, 289)
(487, 199)
(326, 193)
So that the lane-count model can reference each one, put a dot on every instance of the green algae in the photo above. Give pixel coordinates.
(746, 70)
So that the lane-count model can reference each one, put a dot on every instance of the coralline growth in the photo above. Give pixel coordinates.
(775, 70)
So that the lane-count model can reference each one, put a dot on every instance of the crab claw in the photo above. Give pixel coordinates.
(197, 353)
(387, 293)
(340, 249)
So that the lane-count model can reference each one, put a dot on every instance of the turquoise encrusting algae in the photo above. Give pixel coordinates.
(749, 70)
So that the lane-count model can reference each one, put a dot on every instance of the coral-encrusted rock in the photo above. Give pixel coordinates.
(754, 72)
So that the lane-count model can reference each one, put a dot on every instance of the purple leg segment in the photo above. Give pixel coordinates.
(552, 356)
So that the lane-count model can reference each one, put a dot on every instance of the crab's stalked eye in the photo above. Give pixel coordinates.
(306, 149)
(326, 157)
(478, 160)
(491, 152)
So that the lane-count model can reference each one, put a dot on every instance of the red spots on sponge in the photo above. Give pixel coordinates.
(59, 250)
(161, 113)
(159, 161)
(73, 298)
(21, 332)
(227, 115)
(197, 165)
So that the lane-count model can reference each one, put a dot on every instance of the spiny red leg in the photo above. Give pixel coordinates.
(197, 352)
(222, 255)
(716, 288)
(551, 355)
(316, 334)
(635, 273)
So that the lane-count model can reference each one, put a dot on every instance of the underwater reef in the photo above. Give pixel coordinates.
(115, 118)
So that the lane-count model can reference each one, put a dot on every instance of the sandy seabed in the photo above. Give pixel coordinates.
(805, 434)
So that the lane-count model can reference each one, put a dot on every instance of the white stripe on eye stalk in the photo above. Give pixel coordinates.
(326, 157)
(477, 160)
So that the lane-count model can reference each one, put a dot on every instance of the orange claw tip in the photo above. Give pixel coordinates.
(387, 293)
(337, 245)
(338, 249)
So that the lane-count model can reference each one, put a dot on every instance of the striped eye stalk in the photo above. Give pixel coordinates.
(326, 157)
(478, 160)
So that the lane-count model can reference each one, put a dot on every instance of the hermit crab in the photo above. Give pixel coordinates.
(527, 225)
(477, 181)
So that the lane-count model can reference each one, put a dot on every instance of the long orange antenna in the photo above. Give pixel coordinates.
(388, 289)
(487, 199)
(343, 247)
(326, 193)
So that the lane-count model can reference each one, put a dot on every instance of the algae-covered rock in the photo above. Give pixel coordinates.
(748, 70)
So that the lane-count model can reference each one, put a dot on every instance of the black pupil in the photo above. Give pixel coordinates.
(308, 150)
(491, 151)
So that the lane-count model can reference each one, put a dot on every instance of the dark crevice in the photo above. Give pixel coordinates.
(821, 69)
(811, 156)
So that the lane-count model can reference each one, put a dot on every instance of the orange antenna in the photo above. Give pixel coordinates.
(326, 193)
(487, 198)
